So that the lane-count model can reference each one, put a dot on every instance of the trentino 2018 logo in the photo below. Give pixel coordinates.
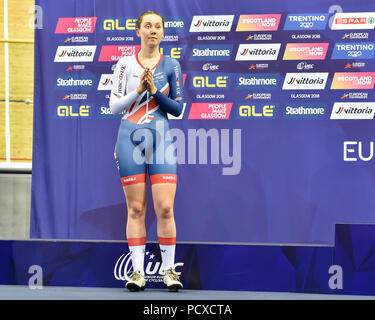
(257, 81)
(211, 52)
(316, 21)
(355, 50)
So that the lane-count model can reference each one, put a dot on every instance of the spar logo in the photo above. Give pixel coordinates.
(105, 82)
(357, 50)
(306, 21)
(353, 20)
(305, 81)
(268, 51)
(353, 110)
(214, 23)
(76, 25)
(305, 51)
(75, 54)
(153, 272)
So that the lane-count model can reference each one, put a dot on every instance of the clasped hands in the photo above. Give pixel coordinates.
(147, 82)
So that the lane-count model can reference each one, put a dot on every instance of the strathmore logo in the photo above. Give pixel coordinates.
(153, 272)
(75, 54)
(219, 23)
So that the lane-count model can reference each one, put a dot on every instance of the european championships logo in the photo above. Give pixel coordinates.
(153, 272)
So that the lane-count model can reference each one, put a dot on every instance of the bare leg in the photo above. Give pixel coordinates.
(163, 195)
(136, 204)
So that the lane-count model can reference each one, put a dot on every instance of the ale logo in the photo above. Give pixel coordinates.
(205, 82)
(254, 111)
(153, 272)
(73, 112)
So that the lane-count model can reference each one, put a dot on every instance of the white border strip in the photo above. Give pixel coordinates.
(14, 166)
(6, 61)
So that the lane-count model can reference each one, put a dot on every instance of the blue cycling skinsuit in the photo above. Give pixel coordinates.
(143, 141)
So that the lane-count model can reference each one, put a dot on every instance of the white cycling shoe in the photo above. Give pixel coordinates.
(137, 282)
(171, 280)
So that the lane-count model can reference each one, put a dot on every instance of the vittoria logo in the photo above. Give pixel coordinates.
(353, 20)
(75, 54)
(305, 81)
(268, 51)
(353, 110)
(105, 82)
(217, 23)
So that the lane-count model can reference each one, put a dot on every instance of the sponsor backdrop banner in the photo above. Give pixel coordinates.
(275, 144)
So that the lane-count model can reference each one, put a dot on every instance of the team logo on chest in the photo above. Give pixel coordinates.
(142, 109)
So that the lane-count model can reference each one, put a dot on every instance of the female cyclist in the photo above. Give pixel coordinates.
(146, 87)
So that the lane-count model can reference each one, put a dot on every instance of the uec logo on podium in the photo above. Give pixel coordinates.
(153, 273)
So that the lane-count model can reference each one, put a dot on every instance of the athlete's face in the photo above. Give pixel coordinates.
(151, 31)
